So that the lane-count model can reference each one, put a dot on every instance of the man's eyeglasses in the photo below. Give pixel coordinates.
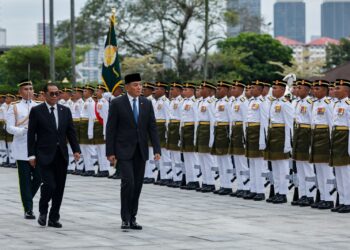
(52, 94)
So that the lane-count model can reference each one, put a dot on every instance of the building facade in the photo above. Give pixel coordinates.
(43, 31)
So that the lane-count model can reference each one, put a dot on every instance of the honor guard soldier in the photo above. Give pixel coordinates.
(17, 124)
(87, 121)
(161, 113)
(189, 119)
(340, 146)
(221, 142)
(322, 124)
(239, 108)
(3, 150)
(147, 91)
(247, 92)
(101, 112)
(205, 136)
(257, 124)
(173, 136)
(302, 141)
(9, 161)
(278, 145)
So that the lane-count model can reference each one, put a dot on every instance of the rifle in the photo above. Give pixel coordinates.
(293, 179)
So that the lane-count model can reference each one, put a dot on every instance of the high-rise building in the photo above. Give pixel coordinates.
(335, 19)
(289, 19)
(41, 31)
(2, 37)
(249, 12)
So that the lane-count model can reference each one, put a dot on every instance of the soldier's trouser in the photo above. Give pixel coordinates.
(177, 165)
(190, 162)
(29, 183)
(9, 153)
(150, 164)
(101, 156)
(165, 165)
(342, 175)
(323, 174)
(225, 170)
(3, 152)
(241, 164)
(206, 161)
(257, 167)
(88, 151)
(280, 171)
(305, 170)
(71, 164)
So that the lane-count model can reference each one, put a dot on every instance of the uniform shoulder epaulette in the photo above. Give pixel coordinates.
(284, 100)
(243, 99)
(348, 102)
(14, 102)
(164, 98)
(38, 101)
(309, 100)
(271, 98)
(226, 99)
(193, 99)
(327, 101)
(210, 100)
(262, 99)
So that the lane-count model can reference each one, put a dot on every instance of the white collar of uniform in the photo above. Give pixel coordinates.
(208, 98)
(323, 98)
(178, 98)
(160, 98)
(131, 99)
(26, 101)
(189, 98)
(222, 99)
(49, 106)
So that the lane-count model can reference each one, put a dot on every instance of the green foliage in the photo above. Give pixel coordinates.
(338, 54)
(257, 51)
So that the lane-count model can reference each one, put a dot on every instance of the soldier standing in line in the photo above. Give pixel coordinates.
(17, 124)
(221, 142)
(322, 123)
(340, 146)
(3, 150)
(239, 106)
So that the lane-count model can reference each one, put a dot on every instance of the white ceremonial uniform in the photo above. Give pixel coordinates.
(102, 109)
(207, 162)
(239, 107)
(323, 171)
(77, 108)
(3, 149)
(281, 112)
(150, 163)
(223, 114)
(305, 170)
(258, 113)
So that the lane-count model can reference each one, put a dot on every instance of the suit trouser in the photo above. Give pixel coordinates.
(165, 165)
(342, 174)
(54, 180)
(88, 151)
(257, 167)
(323, 174)
(305, 170)
(132, 173)
(29, 183)
(150, 164)
(280, 171)
(241, 164)
(225, 170)
(207, 162)
(71, 164)
(101, 156)
(9, 153)
(178, 165)
(190, 161)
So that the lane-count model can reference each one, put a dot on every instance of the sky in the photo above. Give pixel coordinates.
(19, 17)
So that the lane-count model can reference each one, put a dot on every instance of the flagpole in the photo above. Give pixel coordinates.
(72, 25)
(52, 44)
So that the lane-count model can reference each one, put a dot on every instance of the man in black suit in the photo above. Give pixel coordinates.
(50, 126)
(130, 123)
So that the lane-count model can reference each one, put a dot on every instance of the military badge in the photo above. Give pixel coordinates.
(99, 106)
(187, 107)
(278, 108)
(221, 108)
(303, 109)
(255, 106)
(321, 111)
(175, 106)
(203, 108)
(341, 111)
(236, 108)
(159, 107)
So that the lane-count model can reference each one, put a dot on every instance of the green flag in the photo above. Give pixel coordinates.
(111, 75)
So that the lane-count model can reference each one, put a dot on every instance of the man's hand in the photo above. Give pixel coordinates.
(32, 163)
(76, 156)
(157, 157)
(112, 159)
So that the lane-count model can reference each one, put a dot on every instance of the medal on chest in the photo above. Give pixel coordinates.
(99, 106)
(187, 107)
(303, 109)
(341, 111)
(278, 108)
(175, 106)
(255, 106)
(236, 108)
(160, 106)
(321, 111)
(203, 108)
(221, 108)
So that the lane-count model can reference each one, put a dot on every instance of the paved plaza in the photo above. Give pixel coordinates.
(172, 219)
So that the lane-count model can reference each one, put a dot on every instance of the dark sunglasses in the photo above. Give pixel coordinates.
(52, 94)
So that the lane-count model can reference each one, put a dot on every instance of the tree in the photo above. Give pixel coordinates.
(14, 64)
(337, 54)
(259, 50)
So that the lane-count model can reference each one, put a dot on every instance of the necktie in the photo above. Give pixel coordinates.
(135, 111)
(52, 116)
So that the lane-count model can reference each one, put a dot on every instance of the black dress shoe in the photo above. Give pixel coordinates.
(259, 197)
(102, 174)
(225, 191)
(125, 225)
(316, 204)
(234, 194)
(336, 209)
(208, 189)
(243, 193)
(345, 209)
(249, 196)
(326, 205)
(70, 171)
(280, 198)
(217, 191)
(297, 202)
(307, 202)
(135, 226)
(29, 215)
(55, 224)
(192, 186)
(176, 184)
(88, 173)
(111, 176)
(116, 177)
(42, 220)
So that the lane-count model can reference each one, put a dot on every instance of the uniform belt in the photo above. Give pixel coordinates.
(237, 123)
(277, 125)
(341, 128)
(161, 120)
(84, 119)
(2, 120)
(222, 123)
(174, 121)
(320, 126)
(253, 124)
(188, 123)
(76, 119)
(204, 123)
(302, 125)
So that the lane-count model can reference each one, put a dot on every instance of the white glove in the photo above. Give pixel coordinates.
(287, 150)
(262, 146)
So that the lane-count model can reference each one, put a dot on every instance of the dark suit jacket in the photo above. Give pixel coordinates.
(123, 134)
(43, 135)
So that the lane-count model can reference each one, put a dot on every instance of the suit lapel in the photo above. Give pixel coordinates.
(141, 107)
(60, 116)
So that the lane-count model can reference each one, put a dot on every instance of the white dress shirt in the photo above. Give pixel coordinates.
(131, 100)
